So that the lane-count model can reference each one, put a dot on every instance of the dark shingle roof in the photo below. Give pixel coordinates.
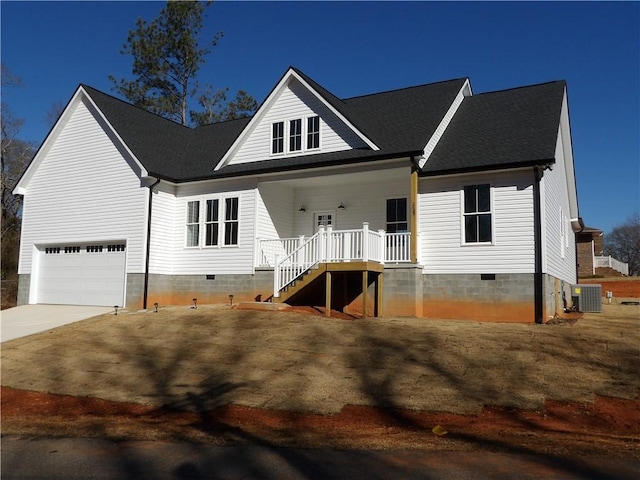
(150, 137)
(488, 131)
(516, 127)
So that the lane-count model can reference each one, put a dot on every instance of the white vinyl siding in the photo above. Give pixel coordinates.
(84, 190)
(363, 201)
(296, 102)
(558, 237)
(442, 248)
(275, 211)
(162, 233)
(221, 259)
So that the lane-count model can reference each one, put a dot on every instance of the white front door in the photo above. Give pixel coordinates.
(323, 219)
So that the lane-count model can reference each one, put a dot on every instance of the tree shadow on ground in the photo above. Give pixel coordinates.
(201, 360)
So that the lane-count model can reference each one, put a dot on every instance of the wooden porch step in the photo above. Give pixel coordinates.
(314, 275)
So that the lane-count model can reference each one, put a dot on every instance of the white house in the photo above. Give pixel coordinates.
(427, 201)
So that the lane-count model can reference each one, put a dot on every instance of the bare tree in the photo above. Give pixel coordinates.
(15, 156)
(623, 243)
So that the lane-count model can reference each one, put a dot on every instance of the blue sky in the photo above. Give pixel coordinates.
(355, 48)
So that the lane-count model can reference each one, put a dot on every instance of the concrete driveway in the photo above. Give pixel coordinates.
(29, 319)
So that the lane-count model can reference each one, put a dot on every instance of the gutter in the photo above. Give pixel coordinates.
(538, 298)
(148, 249)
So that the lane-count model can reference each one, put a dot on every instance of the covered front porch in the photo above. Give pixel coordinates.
(335, 229)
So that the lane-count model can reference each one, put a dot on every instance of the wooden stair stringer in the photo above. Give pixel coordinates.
(309, 277)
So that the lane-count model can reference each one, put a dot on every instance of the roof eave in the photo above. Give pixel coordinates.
(220, 174)
(492, 168)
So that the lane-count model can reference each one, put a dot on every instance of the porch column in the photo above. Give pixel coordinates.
(413, 216)
(327, 296)
(377, 304)
(365, 284)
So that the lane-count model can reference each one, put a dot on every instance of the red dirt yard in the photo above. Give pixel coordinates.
(605, 426)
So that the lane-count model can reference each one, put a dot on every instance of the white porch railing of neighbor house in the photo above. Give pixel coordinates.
(610, 262)
(330, 245)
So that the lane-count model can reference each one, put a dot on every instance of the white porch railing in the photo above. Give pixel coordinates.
(330, 245)
(610, 262)
(396, 247)
(270, 249)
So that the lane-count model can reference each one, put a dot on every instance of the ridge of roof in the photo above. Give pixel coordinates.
(394, 90)
(521, 87)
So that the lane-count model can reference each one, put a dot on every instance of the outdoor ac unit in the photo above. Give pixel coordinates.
(587, 298)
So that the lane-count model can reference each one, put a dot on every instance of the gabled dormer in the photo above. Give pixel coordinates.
(298, 118)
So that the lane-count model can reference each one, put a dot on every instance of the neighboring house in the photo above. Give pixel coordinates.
(435, 202)
(590, 245)
(591, 259)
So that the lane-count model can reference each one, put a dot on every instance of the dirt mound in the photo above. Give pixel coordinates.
(606, 427)
(622, 287)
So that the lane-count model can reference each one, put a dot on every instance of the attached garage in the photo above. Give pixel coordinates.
(81, 274)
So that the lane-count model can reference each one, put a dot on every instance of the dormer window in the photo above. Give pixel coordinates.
(302, 134)
(277, 137)
(313, 132)
(295, 135)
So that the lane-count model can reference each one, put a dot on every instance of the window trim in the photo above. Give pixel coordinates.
(287, 137)
(227, 222)
(464, 215)
(202, 224)
(206, 222)
(386, 206)
(187, 224)
(307, 133)
(281, 140)
(295, 137)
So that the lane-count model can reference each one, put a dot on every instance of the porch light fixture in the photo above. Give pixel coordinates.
(341, 206)
(302, 208)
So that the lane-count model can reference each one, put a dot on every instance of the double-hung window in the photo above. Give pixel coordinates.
(212, 226)
(397, 215)
(193, 223)
(220, 226)
(231, 221)
(313, 132)
(295, 135)
(477, 214)
(277, 138)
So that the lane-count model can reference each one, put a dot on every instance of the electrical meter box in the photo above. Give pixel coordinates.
(587, 298)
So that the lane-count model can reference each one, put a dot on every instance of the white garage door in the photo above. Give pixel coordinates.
(82, 274)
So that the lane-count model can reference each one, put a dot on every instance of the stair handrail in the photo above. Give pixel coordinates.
(306, 256)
